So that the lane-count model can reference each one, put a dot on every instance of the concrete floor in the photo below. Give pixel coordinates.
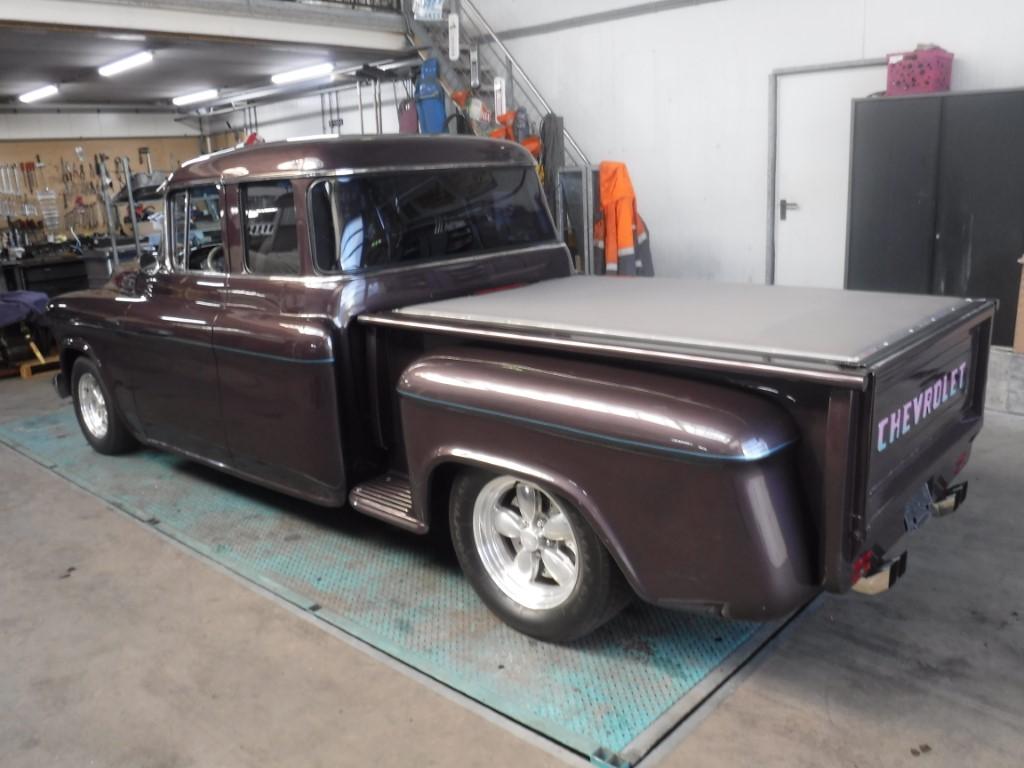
(144, 655)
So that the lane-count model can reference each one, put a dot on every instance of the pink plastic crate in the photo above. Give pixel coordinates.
(926, 70)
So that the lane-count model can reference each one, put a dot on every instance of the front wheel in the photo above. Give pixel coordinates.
(532, 557)
(100, 423)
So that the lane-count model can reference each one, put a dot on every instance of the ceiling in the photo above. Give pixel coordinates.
(32, 57)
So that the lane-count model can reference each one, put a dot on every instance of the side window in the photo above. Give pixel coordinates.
(271, 239)
(196, 243)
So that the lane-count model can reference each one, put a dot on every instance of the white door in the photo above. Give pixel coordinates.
(812, 172)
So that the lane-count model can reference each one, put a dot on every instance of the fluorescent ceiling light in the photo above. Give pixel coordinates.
(129, 62)
(193, 98)
(39, 93)
(305, 73)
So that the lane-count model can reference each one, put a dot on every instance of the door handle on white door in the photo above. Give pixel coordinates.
(786, 205)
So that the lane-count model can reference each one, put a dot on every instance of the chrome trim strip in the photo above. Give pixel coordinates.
(836, 378)
(222, 348)
(599, 436)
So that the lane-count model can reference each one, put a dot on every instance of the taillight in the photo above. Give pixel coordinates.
(862, 566)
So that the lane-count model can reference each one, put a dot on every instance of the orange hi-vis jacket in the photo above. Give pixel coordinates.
(620, 232)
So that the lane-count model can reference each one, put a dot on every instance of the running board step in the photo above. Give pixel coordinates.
(389, 498)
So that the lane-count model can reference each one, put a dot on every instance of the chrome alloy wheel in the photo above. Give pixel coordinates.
(526, 543)
(92, 405)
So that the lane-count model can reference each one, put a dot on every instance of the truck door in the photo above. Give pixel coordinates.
(274, 349)
(169, 330)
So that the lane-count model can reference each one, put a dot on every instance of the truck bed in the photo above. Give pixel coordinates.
(809, 329)
(898, 380)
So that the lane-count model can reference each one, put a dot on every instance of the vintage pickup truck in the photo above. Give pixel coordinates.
(392, 324)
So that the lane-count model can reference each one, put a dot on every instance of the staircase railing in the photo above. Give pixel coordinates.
(495, 60)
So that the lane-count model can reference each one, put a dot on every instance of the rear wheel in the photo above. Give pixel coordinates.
(100, 423)
(532, 557)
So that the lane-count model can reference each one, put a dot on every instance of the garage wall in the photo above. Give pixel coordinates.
(682, 96)
(167, 153)
(89, 125)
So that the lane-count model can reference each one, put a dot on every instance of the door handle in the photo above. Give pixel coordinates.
(786, 205)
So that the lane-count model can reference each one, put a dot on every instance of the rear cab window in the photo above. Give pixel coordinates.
(377, 220)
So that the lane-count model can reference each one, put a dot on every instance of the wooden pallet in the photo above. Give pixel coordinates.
(31, 368)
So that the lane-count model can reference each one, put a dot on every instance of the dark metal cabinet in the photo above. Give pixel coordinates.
(937, 197)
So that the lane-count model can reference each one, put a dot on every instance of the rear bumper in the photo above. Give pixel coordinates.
(885, 575)
(884, 578)
(951, 502)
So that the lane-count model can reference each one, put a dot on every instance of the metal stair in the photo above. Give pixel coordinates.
(430, 39)
(388, 497)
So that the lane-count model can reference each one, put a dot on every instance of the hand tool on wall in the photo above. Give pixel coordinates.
(66, 177)
(80, 154)
(105, 184)
(127, 171)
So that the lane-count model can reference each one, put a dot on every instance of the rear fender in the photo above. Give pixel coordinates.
(431, 486)
(689, 485)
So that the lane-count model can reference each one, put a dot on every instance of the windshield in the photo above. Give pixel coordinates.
(377, 220)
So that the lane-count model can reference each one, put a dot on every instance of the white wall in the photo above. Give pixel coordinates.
(682, 97)
(89, 125)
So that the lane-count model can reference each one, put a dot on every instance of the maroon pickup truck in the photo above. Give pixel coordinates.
(392, 324)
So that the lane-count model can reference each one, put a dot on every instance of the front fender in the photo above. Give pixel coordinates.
(689, 485)
(69, 349)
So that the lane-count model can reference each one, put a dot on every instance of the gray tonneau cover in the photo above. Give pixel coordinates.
(821, 325)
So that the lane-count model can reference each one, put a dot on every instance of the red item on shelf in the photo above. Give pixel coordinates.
(925, 70)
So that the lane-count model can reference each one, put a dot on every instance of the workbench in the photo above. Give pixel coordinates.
(52, 275)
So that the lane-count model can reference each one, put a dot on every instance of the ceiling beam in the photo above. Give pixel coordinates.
(262, 93)
(82, 108)
(263, 20)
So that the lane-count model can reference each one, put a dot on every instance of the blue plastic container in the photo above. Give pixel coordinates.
(430, 99)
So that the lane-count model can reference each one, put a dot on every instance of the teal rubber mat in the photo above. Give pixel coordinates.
(609, 697)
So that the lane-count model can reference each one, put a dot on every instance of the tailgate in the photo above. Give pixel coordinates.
(926, 405)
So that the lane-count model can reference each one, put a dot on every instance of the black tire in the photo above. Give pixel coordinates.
(116, 439)
(600, 591)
